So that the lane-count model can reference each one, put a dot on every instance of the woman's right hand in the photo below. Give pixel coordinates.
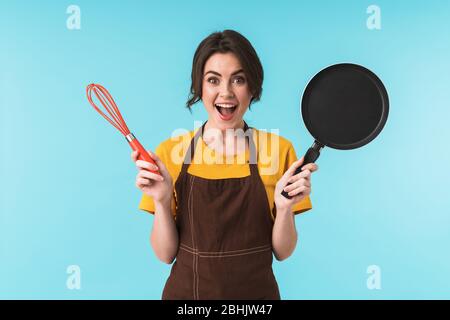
(157, 186)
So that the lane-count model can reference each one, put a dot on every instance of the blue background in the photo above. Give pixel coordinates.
(67, 182)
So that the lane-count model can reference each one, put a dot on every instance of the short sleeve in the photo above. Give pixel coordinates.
(147, 203)
(305, 204)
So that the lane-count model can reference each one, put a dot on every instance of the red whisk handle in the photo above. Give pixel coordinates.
(143, 154)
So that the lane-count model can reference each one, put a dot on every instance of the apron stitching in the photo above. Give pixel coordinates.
(231, 251)
(194, 271)
(197, 284)
(196, 253)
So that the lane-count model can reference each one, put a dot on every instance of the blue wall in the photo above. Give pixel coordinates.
(67, 182)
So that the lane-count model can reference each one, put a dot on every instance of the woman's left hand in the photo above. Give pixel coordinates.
(299, 188)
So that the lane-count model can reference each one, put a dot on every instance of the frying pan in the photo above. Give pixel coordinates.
(344, 106)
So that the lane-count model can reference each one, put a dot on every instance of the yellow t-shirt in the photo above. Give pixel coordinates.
(208, 164)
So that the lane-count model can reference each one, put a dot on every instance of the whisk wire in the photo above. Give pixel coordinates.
(114, 110)
(102, 113)
(110, 106)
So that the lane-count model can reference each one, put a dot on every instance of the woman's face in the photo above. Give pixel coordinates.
(225, 92)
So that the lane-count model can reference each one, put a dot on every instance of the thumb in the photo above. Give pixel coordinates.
(295, 165)
(134, 155)
(290, 172)
(158, 161)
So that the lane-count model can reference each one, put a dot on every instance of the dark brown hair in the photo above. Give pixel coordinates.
(223, 42)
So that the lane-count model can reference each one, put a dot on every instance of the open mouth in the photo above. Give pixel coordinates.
(226, 110)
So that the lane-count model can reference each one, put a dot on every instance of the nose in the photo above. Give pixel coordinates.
(226, 91)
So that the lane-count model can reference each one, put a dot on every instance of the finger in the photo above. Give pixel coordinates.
(150, 175)
(311, 167)
(309, 176)
(134, 155)
(141, 164)
(289, 172)
(306, 192)
(296, 184)
(142, 182)
(159, 163)
(154, 157)
(304, 174)
(297, 191)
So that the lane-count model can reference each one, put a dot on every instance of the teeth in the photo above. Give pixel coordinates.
(225, 105)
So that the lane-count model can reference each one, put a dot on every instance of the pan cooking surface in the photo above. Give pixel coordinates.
(345, 106)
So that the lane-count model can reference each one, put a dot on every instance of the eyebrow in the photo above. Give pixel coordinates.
(218, 74)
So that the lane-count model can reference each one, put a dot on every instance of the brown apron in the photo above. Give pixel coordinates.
(225, 234)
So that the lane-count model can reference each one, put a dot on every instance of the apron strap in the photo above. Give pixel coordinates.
(191, 150)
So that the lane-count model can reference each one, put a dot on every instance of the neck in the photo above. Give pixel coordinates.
(224, 140)
(210, 125)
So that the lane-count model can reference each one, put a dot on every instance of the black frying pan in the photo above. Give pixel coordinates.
(344, 106)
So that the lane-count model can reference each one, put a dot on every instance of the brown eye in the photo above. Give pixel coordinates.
(213, 80)
(239, 80)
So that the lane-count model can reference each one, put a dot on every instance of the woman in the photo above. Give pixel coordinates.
(219, 216)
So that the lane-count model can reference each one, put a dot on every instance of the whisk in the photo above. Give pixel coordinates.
(116, 119)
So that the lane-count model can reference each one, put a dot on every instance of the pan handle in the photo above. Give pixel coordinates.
(311, 156)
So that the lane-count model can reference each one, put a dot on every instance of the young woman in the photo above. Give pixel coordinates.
(217, 201)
